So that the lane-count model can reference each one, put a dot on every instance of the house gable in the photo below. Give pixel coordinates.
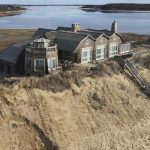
(101, 40)
(87, 42)
(116, 38)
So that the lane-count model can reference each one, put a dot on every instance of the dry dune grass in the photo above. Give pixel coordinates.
(12, 36)
(96, 112)
(98, 109)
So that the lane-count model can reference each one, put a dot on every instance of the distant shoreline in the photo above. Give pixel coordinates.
(10, 10)
(11, 13)
(118, 8)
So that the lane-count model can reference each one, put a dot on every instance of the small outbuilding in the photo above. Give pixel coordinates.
(12, 58)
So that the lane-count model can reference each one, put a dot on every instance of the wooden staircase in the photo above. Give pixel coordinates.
(144, 85)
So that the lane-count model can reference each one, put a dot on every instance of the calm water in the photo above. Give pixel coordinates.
(53, 16)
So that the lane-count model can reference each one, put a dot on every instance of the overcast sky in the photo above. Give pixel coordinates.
(70, 1)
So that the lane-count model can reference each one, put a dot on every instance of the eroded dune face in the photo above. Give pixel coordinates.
(103, 113)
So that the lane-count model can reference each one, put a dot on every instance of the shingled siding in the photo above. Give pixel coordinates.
(37, 55)
(88, 42)
(102, 40)
(117, 40)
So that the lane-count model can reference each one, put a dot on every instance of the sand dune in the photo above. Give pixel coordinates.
(103, 113)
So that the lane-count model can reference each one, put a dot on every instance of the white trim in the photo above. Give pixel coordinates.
(87, 59)
(103, 35)
(90, 37)
(102, 47)
(112, 54)
(127, 48)
(54, 58)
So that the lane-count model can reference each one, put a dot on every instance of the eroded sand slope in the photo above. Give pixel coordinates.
(105, 113)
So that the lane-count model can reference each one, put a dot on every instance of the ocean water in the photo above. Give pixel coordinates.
(53, 16)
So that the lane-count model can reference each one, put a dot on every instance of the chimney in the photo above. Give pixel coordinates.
(76, 27)
(114, 27)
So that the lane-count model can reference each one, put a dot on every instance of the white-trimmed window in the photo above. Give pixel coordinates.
(86, 55)
(52, 63)
(28, 63)
(100, 52)
(113, 50)
(39, 65)
(125, 48)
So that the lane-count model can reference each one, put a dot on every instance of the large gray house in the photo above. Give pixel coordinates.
(42, 53)
(89, 45)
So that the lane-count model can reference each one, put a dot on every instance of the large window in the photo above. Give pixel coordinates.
(38, 44)
(125, 48)
(52, 63)
(86, 55)
(39, 65)
(113, 50)
(100, 52)
(28, 63)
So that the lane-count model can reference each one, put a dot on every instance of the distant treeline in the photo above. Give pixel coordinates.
(4, 8)
(119, 6)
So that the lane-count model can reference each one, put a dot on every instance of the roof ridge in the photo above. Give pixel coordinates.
(71, 32)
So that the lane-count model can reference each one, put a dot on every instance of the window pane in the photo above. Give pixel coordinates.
(113, 50)
(98, 51)
(84, 54)
(87, 54)
(52, 63)
(39, 64)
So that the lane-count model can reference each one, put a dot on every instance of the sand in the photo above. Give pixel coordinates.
(105, 113)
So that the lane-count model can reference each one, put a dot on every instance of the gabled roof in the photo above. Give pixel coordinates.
(11, 53)
(51, 35)
(94, 34)
(105, 31)
(121, 37)
(41, 32)
(64, 29)
(69, 41)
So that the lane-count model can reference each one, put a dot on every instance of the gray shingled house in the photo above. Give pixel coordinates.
(41, 56)
(106, 44)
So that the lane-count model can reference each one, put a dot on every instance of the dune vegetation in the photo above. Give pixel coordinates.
(97, 109)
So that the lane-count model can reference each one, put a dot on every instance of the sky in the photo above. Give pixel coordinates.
(70, 1)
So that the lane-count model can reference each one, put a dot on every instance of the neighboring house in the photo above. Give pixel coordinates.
(41, 57)
(12, 58)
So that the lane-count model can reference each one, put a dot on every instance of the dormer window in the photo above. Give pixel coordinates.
(40, 45)
(37, 44)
